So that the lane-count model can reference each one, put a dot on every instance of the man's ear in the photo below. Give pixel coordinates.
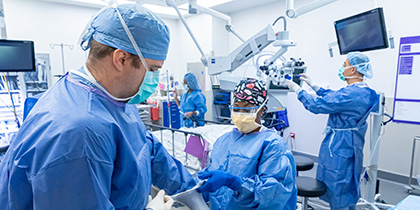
(120, 59)
(353, 70)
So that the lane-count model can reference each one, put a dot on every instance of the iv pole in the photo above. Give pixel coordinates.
(62, 45)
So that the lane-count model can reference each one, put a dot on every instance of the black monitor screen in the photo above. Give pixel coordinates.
(362, 32)
(17, 55)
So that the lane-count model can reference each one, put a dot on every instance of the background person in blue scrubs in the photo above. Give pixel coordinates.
(341, 153)
(192, 104)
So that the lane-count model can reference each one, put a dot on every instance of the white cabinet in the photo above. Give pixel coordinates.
(21, 86)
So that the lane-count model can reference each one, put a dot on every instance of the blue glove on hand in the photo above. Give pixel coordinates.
(218, 179)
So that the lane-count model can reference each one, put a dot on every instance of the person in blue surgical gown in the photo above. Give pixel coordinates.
(251, 167)
(341, 153)
(83, 145)
(192, 105)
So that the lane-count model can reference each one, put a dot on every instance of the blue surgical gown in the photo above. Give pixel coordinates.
(341, 153)
(190, 102)
(264, 163)
(79, 149)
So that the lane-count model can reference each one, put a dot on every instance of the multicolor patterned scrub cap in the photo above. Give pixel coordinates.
(250, 91)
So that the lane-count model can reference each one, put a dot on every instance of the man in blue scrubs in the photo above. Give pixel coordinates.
(341, 153)
(251, 167)
(83, 145)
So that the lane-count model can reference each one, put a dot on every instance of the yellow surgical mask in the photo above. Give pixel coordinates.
(245, 122)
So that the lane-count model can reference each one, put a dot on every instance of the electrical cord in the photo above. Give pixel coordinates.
(11, 98)
(381, 134)
(292, 142)
(10, 109)
(33, 80)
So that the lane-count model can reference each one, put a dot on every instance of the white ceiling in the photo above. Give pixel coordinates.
(237, 5)
(226, 8)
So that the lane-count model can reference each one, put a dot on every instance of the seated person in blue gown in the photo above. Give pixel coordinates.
(251, 167)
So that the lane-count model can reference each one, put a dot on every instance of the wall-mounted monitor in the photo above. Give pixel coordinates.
(362, 32)
(17, 55)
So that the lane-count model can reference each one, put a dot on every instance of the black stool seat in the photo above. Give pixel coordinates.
(4, 148)
(303, 163)
(310, 187)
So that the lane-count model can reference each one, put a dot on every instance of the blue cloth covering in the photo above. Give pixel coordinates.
(362, 63)
(341, 153)
(79, 149)
(149, 31)
(190, 102)
(192, 81)
(264, 163)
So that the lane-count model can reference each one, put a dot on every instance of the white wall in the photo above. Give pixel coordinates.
(49, 22)
(313, 31)
(46, 23)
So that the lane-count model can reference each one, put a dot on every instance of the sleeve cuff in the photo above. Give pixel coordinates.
(316, 88)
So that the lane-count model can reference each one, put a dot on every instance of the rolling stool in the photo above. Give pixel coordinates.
(3, 150)
(309, 188)
(303, 163)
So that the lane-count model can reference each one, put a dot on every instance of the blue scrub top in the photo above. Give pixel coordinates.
(340, 160)
(264, 163)
(79, 149)
(190, 102)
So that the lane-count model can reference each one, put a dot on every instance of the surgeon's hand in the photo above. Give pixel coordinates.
(293, 86)
(309, 81)
(189, 114)
(218, 179)
(160, 202)
(175, 94)
(306, 79)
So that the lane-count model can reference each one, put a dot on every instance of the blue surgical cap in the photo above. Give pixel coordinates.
(361, 62)
(192, 81)
(149, 31)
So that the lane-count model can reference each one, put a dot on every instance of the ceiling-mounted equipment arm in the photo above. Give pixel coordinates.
(233, 31)
(294, 13)
(194, 8)
(243, 53)
(172, 4)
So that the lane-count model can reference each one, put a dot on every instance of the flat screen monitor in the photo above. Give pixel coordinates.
(17, 55)
(362, 32)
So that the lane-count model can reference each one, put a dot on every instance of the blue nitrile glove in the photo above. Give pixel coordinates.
(218, 179)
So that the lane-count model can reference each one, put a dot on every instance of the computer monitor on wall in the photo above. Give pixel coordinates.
(362, 32)
(16, 56)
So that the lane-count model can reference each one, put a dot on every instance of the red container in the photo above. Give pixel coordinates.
(154, 113)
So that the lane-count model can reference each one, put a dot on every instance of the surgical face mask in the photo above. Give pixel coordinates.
(245, 121)
(186, 86)
(342, 77)
(147, 88)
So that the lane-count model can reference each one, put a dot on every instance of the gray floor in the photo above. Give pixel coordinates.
(391, 192)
